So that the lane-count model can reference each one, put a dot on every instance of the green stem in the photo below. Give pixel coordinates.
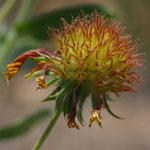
(8, 5)
(13, 33)
(48, 129)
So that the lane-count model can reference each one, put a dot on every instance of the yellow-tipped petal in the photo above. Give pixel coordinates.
(15, 66)
(12, 70)
(72, 124)
(41, 81)
(95, 116)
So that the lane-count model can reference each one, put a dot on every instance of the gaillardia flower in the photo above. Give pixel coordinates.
(93, 57)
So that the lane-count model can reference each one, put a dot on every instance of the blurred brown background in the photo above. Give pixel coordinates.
(20, 98)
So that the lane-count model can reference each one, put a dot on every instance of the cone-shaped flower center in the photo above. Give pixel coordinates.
(94, 51)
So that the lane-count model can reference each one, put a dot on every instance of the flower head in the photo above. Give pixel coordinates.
(93, 56)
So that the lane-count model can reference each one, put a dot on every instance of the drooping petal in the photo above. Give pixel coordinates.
(72, 124)
(71, 119)
(15, 66)
(95, 116)
(41, 79)
(38, 67)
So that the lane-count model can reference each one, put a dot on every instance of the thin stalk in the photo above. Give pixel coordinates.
(4, 11)
(48, 129)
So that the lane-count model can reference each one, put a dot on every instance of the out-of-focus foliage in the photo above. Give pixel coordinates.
(28, 31)
(37, 27)
(3, 33)
(23, 126)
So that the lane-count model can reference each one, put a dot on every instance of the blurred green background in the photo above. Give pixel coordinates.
(20, 98)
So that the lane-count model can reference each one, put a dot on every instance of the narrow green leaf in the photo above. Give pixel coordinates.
(83, 95)
(47, 73)
(68, 104)
(37, 73)
(43, 55)
(111, 99)
(68, 100)
(37, 27)
(57, 94)
(60, 97)
(59, 87)
(59, 101)
(53, 80)
(23, 126)
(94, 101)
(39, 59)
(108, 109)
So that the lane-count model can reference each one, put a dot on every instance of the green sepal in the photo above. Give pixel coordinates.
(68, 102)
(37, 73)
(108, 109)
(43, 55)
(59, 87)
(49, 73)
(53, 80)
(39, 59)
(57, 94)
(59, 101)
(82, 97)
(111, 99)
(94, 101)
(63, 92)
(69, 98)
